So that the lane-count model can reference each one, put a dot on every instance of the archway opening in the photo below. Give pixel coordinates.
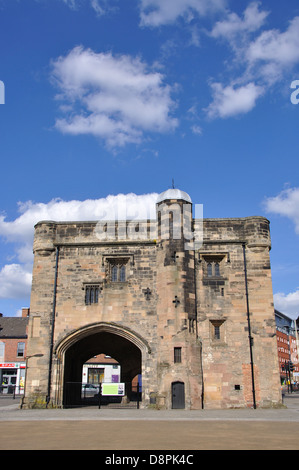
(95, 343)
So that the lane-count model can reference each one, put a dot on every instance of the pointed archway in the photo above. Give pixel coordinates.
(123, 344)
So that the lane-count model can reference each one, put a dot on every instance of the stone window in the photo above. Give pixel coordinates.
(91, 294)
(177, 355)
(213, 264)
(118, 273)
(217, 330)
(117, 269)
(213, 268)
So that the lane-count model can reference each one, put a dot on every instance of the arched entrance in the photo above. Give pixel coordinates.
(121, 343)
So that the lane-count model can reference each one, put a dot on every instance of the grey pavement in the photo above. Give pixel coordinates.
(132, 429)
(10, 411)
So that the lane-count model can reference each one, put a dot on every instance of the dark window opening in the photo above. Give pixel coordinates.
(117, 270)
(122, 274)
(118, 273)
(114, 273)
(21, 350)
(216, 331)
(177, 355)
(213, 269)
(91, 295)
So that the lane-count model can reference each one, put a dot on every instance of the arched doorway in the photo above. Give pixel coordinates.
(121, 343)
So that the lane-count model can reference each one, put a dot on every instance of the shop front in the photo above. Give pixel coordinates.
(12, 377)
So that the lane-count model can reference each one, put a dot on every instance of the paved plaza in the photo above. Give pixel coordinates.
(174, 430)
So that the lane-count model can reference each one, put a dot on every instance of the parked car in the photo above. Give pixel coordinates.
(89, 390)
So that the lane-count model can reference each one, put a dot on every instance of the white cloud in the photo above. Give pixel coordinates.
(274, 52)
(233, 25)
(287, 303)
(116, 98)
(159, 12)
(230, 101)
(285, 204)
(70, 3)
(196, 129)
(271, 50)
(99, 6)
(275, 46)
(122, 205)
(261, 59)
(15, 279)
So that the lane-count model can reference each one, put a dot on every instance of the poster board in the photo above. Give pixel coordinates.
(113, 389)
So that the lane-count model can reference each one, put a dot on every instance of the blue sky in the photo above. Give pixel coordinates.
(110, 97)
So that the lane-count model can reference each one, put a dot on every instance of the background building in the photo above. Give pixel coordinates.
(99, 369)
(13, 341)
(287, 346)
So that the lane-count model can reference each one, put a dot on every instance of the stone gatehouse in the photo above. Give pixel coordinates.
(185, 302)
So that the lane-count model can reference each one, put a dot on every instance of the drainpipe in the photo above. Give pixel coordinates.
(196, 330)
(249, 328)
(52, 328)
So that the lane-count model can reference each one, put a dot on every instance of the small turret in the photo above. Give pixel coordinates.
(176, 261)
(174, 215)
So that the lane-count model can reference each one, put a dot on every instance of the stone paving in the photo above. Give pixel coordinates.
(175, 430)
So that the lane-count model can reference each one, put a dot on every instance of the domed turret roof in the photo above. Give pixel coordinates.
(174, 194)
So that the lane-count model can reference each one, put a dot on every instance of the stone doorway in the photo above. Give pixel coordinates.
(178, 395)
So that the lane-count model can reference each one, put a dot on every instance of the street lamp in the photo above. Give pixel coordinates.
(288, 365)
(26, 362)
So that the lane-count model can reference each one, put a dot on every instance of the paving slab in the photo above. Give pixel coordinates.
(176, 430)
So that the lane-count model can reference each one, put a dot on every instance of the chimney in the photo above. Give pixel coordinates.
(25, 312)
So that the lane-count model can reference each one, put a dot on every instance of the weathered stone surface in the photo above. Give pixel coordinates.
(171, 297)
